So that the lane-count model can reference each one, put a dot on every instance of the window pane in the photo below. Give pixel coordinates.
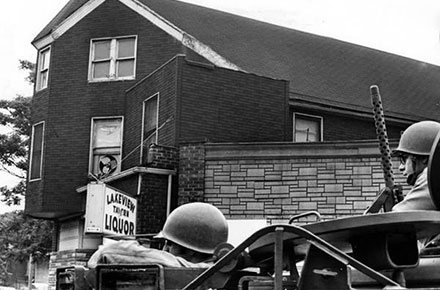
(307, 130)
(43, 69)
(113, 59)
(42, 60)
(126, 47)
(101, 69)
(107, 133)
(125, 68)
(45, 58)
(43, 80)
(102, 50)
(150, 114)
(37, 150)
(106, 146)
(150, 121)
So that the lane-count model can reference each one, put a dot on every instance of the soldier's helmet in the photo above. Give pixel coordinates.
(418, 138)
(197, 226)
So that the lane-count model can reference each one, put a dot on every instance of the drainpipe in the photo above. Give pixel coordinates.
(170, 179)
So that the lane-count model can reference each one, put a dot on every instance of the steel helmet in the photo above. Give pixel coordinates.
(418, 138)
(197, 226)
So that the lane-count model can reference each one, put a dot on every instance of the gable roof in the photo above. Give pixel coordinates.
(322, 71)
(65, 12)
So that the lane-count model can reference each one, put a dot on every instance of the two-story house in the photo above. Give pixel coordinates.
(116, 76)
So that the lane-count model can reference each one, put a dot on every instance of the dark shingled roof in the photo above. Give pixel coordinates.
(321, 70)
(65, 12)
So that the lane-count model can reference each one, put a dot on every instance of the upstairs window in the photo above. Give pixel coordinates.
(307, 128)
(36, 157)
(150, 121)
(112, 59)
(106, 146)
(43, 69)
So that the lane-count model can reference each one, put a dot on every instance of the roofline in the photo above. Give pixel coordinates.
(143, 10)
(283, 150)
(309, 102)
(358, 112)
(185, 38)
(67, 23)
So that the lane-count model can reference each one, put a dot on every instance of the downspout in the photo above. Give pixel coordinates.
(170, 179)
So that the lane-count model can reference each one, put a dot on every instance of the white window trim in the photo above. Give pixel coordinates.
(143, 123)
(113, 59)
(38, 86)
(91, 139)
(32, 151)
(321, 124)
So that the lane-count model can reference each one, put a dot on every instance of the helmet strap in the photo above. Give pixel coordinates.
(418, 163)
(411, 179)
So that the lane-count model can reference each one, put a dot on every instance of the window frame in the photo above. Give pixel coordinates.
(143, 144)
(319, 119)
(41, 69)
(112, 58)
(92, 148)
(31, 157)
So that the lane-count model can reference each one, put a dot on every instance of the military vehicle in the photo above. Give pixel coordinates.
(376, 250)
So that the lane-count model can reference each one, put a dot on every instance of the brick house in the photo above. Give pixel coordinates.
(170, 102)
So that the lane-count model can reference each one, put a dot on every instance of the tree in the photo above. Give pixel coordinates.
(30, 68)
(14, 115)
(21, 236)
(15, 120)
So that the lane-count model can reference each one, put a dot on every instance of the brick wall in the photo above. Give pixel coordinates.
(152, 202)
(222, 105)
(161, 83)
(71, 101)
(277, 180)
(164, 157)
(152, 209)
(191, 173)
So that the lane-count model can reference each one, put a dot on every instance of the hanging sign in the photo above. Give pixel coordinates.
(110, 211)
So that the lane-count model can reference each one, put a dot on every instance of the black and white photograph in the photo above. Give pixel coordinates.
(220, 145)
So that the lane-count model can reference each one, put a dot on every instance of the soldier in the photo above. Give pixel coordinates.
(414, 150)
(192, 232)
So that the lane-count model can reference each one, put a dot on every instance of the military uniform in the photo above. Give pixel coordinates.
(194, 230)
(418, 198)
(415, 147)
(131, 252)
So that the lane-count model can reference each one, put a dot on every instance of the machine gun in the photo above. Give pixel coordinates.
(391, 193)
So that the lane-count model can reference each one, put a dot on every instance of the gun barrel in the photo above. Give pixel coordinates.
(382, 136)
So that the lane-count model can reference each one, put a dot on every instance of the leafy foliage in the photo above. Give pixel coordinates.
(14, 138)
(21, 236)
(15, 116)
(30, 67)
(12, 196)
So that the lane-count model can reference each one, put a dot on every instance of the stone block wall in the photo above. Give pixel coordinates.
(275, 181)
